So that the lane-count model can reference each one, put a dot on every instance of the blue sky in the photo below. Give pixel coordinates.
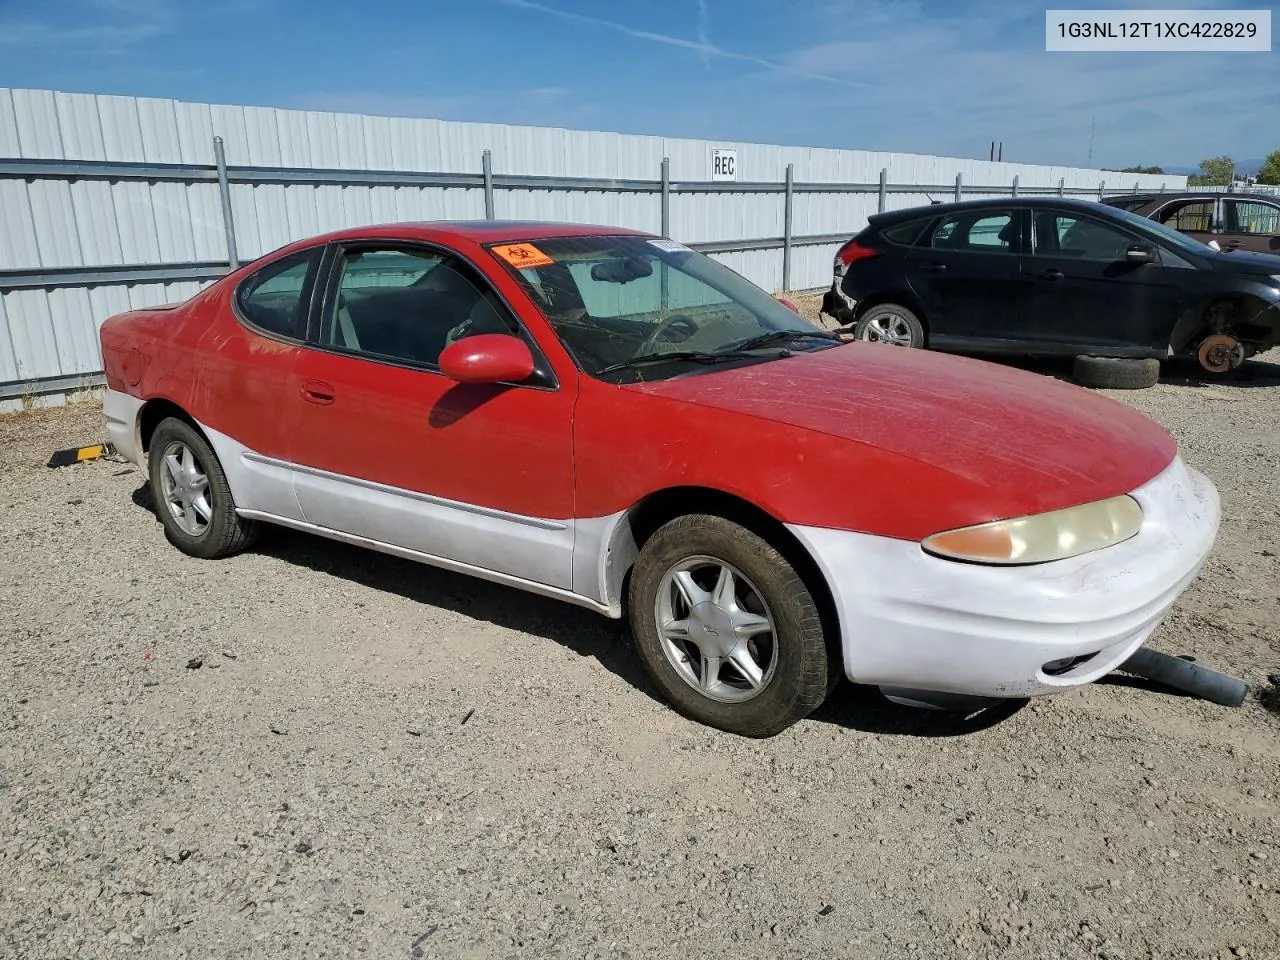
(921, 76)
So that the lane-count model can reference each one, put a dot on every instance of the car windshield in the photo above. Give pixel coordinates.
(1163, 231)
(630, 308)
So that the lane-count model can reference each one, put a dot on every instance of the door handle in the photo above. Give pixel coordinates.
(317, 391)
(1052, 275)
(934, 267)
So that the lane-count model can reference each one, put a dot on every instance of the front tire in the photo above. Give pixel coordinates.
(192, 496)
(890, 323)
(726, 628)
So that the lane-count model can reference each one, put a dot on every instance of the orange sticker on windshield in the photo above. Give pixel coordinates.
(522, 255)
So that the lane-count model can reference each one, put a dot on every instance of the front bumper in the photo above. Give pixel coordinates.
(908, 619)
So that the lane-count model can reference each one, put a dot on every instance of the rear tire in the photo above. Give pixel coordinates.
(890, 323)
(192, 496)
(1110, 373)
(692, 627)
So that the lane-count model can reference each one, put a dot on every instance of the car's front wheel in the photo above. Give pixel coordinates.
(890, 323)
(726, 628)
(192, 495)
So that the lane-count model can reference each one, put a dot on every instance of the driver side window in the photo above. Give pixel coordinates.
(407, 305)
(1063, 235)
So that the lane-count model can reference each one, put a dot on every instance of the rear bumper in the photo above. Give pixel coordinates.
(912, 620)
(121, 411)
(835, 303)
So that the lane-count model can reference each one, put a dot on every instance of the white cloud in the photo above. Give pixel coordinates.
(700, 46)
(95, 27)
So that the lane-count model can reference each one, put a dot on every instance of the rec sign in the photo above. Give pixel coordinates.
(724, 164)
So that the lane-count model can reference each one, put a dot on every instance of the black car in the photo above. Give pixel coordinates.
(1051, 276)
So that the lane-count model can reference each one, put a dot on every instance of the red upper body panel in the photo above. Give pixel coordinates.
(901, 443)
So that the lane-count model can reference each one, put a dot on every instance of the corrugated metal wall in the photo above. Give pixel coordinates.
(50, 223)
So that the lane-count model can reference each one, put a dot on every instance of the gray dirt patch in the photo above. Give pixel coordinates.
(376, 757)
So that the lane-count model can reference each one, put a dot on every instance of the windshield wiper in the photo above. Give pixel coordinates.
(737, 351)
(774, 336)
(697, 356)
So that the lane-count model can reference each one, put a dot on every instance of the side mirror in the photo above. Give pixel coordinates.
(487, 358)
(788, 304)
(1140, 253)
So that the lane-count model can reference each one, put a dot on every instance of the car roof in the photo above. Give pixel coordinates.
(910, 213)
(477, 231)
(1191, 195)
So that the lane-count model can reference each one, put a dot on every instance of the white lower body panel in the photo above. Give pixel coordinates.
(909, 619)
(122, 411)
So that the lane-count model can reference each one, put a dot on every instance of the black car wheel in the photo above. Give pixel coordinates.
(1110, 373)
(890, 323)
(192, 495)
(727, 629)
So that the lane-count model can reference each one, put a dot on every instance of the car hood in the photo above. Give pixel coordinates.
(1247, 262)
(1053, 443)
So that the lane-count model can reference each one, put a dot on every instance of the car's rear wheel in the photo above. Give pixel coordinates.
(726, 628)
(890, 323)
(192, 495)
(1115, 373)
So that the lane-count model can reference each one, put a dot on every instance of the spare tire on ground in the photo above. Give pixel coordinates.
(1111, 373)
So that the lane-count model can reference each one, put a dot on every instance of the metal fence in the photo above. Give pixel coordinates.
(1262, 190)
(112, 203)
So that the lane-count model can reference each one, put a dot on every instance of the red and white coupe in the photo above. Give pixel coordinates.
(613, 419)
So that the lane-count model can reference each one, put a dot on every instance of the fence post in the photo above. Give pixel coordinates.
(664, 273)
(1062, 186)
(666, 196)
(1015, 184)
(787, 210)
(884, 183)
(959, 186)
(224, 195)
(486, 162)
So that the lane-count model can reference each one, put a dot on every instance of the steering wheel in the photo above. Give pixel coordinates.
(676, 322)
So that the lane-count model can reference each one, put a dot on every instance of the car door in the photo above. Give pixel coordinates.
(1251, 224)
(388, 448)
(966, 276)
(1083, 294)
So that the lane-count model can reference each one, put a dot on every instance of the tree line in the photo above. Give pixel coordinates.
(1221, 171)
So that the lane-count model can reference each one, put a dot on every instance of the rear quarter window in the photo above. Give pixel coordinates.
(906, 234)
(275, 299)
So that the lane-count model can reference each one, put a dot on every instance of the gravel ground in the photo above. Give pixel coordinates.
(310, 749)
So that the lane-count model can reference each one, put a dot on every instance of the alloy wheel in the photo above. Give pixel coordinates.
(185, 489)
(889, 328)
(715, 629)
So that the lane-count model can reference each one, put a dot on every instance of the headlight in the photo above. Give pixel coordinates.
(1056, 535)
